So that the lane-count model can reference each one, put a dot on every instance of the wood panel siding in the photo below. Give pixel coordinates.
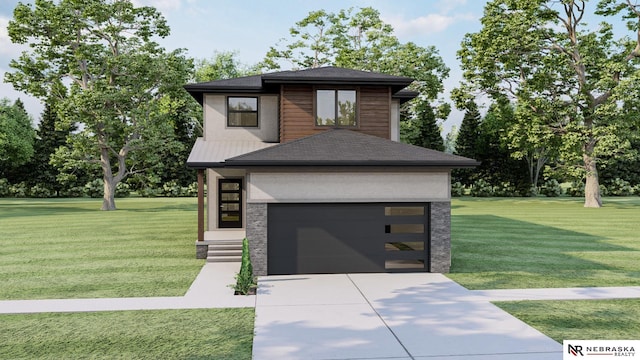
(296, 112)
(375, 111)
(297, 118)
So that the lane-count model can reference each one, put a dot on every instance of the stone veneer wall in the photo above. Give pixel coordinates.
(257, 235)
(440, 237)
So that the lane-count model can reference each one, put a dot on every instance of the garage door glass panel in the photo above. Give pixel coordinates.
(404, 210)
(404, 246)
(404, 229)
(404, 264)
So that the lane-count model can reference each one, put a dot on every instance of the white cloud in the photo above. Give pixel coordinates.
(425, 25)
(7, 48)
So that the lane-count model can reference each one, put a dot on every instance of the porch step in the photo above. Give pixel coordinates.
(224, 251)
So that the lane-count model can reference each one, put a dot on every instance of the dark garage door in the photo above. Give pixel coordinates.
(343, 238)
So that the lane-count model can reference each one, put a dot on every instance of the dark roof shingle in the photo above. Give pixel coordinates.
(342, 147)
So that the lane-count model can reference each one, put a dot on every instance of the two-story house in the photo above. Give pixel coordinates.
(308, 166)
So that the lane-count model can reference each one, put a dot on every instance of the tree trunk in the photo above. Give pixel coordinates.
(592, 187)
(108, 198)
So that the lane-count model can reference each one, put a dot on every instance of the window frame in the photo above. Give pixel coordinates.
(336, 107)
(230, 111)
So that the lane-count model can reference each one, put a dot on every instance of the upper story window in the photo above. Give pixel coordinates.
(336, 108)
(242, 111)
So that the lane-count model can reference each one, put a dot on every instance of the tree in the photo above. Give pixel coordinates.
(16, 136)
(359, 39)
(541, 49)
(422, 129)
(222, 65)
(466, 141)
(118, 75)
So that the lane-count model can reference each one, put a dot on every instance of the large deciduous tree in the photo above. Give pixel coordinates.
(541, 54)
(359, 39)
(117, 75)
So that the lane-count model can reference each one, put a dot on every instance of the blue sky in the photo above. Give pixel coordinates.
(249, 27)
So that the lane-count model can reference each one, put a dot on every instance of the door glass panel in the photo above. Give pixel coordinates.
(230, 207)
(229, 186)
(230, 197)
(403, 264)
(403, 210)
(404, 229)
(404, 246)
(230, 216)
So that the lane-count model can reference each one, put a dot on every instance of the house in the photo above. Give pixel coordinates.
(308, 166)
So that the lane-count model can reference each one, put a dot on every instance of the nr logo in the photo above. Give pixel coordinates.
(575, 350)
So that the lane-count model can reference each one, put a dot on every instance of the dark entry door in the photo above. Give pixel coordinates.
(344, 238)
(230, 203)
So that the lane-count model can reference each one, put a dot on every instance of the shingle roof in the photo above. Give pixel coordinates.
(341, 147)
(319, 76)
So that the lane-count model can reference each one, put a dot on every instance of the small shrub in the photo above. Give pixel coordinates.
(245, 281)
(73, 192)
(505, 189)
(94, 189)
(171, 189)
(604, 191)
(576, 189)
(481, 188)
(123, 190)
(19, 190)
(457, 189)
(40, 191)
(5, 188)
(551, 188)
(149, 192)
(620, 187)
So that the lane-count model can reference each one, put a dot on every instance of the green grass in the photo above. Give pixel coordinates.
(584, 320)
(68, 248)
(545, 242)
(170, 334)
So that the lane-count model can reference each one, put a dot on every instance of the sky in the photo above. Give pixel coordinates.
(250, 27)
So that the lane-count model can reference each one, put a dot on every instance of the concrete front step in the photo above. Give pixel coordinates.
(225, 258)
(224, 250)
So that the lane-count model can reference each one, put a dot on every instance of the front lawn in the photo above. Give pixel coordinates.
(580, 320)
(544, 242)
(167, 334)
(68, 248)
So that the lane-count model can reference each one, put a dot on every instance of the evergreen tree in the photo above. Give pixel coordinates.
(16, 139)
(422, 129)
(467, 142)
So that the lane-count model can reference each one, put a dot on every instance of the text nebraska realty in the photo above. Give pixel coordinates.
(610, 350)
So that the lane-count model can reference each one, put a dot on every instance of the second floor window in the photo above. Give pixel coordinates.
(242, 112)
(336, 108)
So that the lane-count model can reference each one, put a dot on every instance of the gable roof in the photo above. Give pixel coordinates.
(342, 147)
(329, 75)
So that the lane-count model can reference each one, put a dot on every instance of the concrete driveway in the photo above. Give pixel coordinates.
(387, 316)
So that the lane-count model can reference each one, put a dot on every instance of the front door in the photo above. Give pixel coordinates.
(230, 203)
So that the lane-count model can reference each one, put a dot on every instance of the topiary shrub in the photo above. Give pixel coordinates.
(481, 188)
(245, 281)
(457, 189)
(551, 188)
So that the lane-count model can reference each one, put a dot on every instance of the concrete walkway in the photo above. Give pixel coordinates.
(399, 316)
(360, 316)
(210, 289)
